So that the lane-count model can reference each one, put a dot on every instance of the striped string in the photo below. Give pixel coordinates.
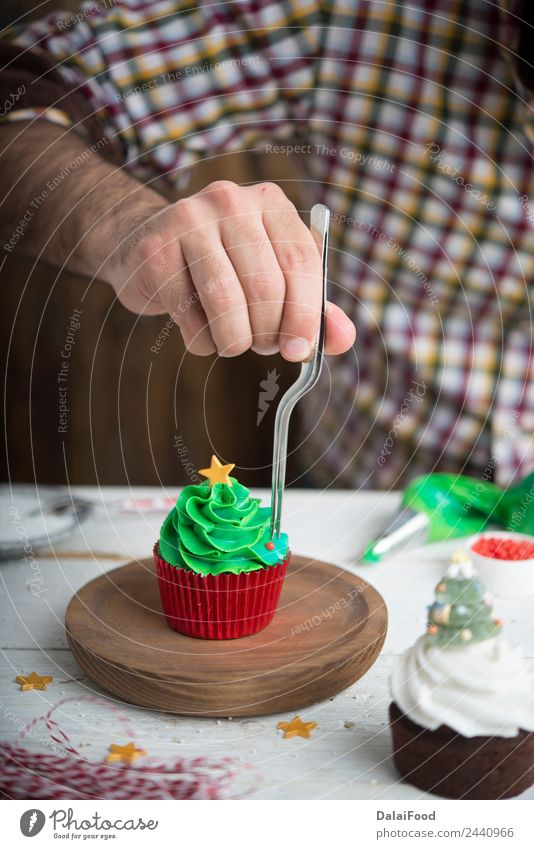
(28, 775)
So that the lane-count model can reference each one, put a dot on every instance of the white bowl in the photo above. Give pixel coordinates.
(503, 577)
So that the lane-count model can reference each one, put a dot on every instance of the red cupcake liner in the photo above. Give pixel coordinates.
(219, 607)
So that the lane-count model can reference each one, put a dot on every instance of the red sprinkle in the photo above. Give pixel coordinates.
(269, 546)
(503, 548)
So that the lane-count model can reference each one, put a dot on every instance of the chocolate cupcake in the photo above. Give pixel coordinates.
(462, 715)
(220, 573)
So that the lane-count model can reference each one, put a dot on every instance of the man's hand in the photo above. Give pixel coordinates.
(235, 268)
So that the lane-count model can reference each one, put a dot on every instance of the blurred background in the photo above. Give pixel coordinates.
(135, 416)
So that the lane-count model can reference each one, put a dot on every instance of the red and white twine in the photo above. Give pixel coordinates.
(35, 775)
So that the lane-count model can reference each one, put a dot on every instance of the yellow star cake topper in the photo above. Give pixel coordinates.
(126, 754)
(217, 472)
(33, 681)
(296, 728)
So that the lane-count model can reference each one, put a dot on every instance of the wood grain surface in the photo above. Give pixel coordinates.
(327, 632)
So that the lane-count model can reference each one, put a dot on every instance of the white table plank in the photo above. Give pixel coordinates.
(339, 762)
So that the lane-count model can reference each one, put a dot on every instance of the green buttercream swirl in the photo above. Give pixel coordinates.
(219, 528)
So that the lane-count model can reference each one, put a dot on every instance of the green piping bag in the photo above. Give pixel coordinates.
(448, 505)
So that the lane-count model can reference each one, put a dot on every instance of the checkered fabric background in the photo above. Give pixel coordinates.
(419, 142)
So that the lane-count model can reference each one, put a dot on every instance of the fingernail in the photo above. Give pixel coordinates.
(297, 349)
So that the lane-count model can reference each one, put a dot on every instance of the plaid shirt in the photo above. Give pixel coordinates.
(415, 130)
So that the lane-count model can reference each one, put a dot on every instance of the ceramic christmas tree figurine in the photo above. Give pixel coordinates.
(462, 611)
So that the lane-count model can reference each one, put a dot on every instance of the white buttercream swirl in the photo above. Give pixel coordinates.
(484, 689)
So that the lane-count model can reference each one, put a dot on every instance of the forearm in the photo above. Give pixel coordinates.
(61, 200)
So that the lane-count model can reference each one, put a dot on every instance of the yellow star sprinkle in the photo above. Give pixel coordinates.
(296, 728)
(127, 753)
(217, 473)
(33, 681)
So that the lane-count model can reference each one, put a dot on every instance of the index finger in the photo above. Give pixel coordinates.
(300, 262)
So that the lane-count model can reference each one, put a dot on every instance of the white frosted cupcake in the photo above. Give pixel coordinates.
(462, 714)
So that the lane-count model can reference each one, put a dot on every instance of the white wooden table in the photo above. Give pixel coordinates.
(349, 754)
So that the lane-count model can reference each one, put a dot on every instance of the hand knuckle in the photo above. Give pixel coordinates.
(186, 211)
(223, 186)
(221, 291)
(243, 235)
(299, 256)
(266, 288)
(203, 258)
(271, 190)
(151, 247)
(303, 311)
(156, 262)
(226, 194)
(265, 341)
(237, 346)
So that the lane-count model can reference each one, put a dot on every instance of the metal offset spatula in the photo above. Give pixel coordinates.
(308, 377)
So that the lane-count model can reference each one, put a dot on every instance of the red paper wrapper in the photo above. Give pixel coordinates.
(219, 607)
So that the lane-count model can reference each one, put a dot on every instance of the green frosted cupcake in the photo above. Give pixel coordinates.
(220, 573)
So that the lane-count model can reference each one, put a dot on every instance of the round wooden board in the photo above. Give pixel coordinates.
(328, 630)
